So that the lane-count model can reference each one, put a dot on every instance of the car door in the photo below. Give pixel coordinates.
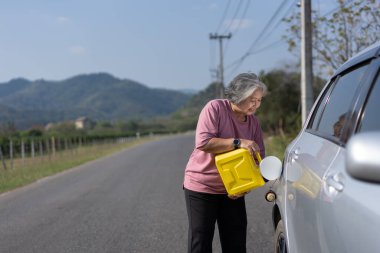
(310, 157)
(349, 216)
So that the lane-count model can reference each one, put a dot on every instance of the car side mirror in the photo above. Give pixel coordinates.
(363, 156)
(271, 168)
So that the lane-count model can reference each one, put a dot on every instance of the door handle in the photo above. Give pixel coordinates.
(333, 181)
(294, 155)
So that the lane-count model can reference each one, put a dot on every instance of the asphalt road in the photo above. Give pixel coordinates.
(131, 201)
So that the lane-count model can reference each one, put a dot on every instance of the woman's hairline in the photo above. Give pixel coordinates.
(250, 91)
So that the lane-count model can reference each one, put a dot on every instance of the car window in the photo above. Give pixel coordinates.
(319, 110)
(371, 119)
(338, 104)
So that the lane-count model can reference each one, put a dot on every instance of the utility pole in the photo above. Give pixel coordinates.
(220, 92)
(306, 60)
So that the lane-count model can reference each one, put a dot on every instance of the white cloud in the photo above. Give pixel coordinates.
(62, 20)
(238, 24)
(77, 50)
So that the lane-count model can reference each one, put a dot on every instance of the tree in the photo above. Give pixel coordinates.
(34, 132)
(339, 34)
(280, 109)
(65, 129)
(8, 129)
(133, 125)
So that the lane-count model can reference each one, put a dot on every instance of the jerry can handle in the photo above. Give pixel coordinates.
(258, 156)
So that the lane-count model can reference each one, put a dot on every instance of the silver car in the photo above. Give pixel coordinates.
(328, 196)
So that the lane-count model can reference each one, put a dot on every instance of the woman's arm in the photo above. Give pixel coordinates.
(219, 145)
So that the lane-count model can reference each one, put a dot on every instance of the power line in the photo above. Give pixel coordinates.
(242, 17)
(267, 25)
(214, 72)
(223, 16)
(240, 22)
(229, 27)
(233, 18)
(274, 44)
(239, 61)
(291, 6)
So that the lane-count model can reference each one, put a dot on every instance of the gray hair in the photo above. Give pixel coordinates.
(242, 86)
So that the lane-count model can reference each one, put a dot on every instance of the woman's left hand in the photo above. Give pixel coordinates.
(250, 145)
(236, 196)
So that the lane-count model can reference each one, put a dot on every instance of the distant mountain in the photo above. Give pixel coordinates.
(188, 114)
(13, 86)
(186, 117)
(98, 96)
(189, 91)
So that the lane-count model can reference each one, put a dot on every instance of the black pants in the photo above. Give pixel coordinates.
(204, 210)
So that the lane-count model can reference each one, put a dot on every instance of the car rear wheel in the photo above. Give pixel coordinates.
(280, 238)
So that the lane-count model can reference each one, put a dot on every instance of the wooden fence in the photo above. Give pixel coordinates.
(21, 151)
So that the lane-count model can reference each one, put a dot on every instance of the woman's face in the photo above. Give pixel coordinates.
(252, 103)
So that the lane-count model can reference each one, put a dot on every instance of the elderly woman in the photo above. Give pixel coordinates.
(223, 125)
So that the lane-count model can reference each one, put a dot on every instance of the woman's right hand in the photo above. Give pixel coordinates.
(250, 145)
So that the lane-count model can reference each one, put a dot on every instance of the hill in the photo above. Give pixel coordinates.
(98, 96)
(186, 117)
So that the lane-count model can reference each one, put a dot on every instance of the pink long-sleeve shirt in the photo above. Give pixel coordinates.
(217, 120)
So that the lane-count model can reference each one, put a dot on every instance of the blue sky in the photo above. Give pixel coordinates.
(159, 43)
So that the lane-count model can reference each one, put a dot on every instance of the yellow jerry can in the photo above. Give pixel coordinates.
(238, 170)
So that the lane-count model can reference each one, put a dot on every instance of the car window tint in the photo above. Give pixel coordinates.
(333, 117)
(319, 109)
(371, 119)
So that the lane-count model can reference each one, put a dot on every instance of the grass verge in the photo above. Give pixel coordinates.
(29, 170)
(276, 145)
